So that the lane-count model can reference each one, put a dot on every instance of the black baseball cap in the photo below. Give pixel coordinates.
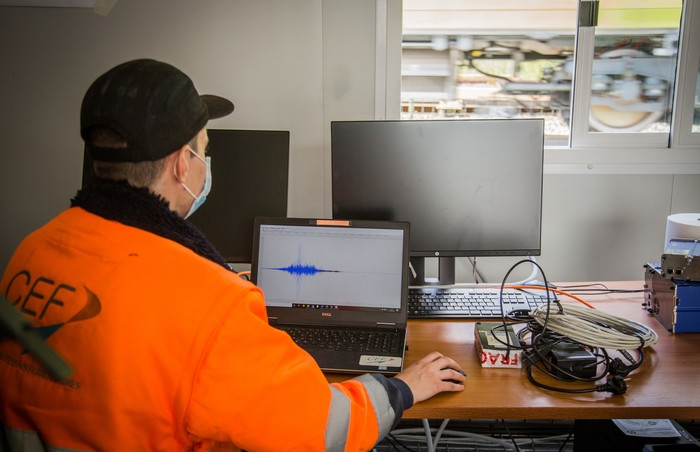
(153, 106)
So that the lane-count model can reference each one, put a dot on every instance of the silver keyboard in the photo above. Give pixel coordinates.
(469, 302)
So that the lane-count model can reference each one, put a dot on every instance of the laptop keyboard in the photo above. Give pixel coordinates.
(426, 302)
(343, 339)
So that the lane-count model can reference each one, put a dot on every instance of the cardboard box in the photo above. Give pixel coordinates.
(493, 352)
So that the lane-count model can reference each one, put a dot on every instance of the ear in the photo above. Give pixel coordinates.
(181, 163)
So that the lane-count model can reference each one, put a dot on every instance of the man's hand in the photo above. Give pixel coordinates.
(430, 376)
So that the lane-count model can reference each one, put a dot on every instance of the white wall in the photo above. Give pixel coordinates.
(265, 55)
(292, 65)
(602, 227)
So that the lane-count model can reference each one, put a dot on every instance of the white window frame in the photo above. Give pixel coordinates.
(587, 153)
(688, 67)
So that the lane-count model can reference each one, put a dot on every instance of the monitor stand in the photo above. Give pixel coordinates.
(446, 272)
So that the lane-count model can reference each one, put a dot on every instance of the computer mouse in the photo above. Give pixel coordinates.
(455, 381)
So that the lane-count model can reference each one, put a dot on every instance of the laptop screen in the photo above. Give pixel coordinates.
(330, 268)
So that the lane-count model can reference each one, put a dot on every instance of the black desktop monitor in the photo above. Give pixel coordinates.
(249, 178)
(468, 187)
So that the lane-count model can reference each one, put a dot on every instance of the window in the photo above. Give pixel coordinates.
(634, 66)
(474, 59)
(613, 83)
(686, 124)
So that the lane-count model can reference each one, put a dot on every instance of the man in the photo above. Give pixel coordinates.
(171, 349)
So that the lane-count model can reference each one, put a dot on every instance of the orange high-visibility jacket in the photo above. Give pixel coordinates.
(170, 352)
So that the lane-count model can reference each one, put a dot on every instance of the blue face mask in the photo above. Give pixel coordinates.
(199, 200)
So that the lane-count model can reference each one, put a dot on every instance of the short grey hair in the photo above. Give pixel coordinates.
(137, 174)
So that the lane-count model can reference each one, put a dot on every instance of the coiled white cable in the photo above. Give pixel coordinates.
(595, 328)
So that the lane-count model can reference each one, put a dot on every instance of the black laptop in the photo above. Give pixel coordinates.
(339, 288)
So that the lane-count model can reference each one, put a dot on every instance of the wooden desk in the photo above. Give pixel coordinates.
(666, 385)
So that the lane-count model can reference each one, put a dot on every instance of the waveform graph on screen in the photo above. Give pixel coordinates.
(300, 270)
(322, 266)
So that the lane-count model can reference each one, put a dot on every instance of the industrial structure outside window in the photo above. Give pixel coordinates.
(513, 58)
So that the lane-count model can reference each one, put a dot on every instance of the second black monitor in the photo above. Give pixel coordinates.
(468, 187)
(250, 171)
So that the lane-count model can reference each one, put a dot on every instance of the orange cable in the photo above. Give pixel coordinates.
(561, 292)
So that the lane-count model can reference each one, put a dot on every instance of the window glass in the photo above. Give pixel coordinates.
(475, 59)
(634, 66)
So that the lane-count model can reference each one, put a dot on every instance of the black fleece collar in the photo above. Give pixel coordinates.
(140, 208)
